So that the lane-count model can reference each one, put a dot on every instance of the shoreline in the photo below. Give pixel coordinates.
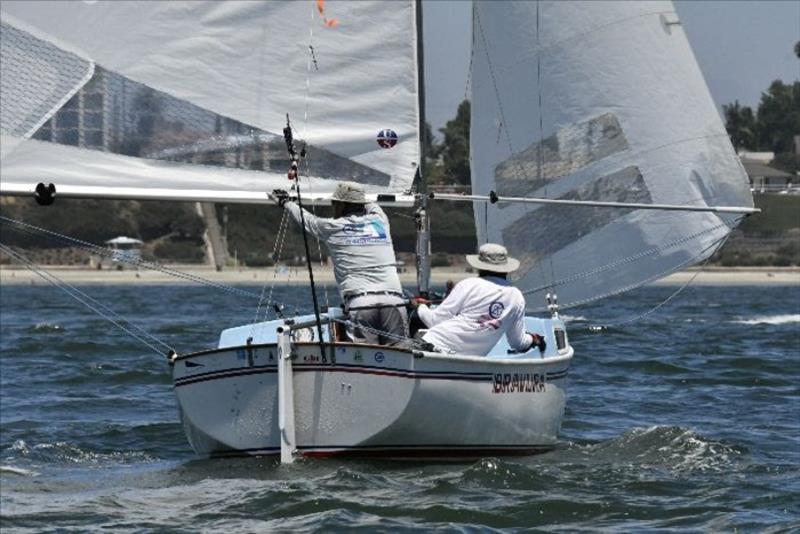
(719, 276)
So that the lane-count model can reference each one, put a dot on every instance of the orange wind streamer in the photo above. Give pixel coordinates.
(329, 23)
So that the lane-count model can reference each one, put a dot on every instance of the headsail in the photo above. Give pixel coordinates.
(596, 101)
(182, 88)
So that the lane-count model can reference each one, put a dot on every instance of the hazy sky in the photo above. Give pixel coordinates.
(741, 47)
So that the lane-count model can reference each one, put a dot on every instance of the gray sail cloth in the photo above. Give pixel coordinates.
(378, 319)
(360, 247)
(234, 59)
(597, 101)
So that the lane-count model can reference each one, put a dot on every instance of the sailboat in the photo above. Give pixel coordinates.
(598, 159)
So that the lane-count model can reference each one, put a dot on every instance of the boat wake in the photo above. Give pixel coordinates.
(61, 452)
(674, 448)
(11, 470)
(788, 318)
(45, 328)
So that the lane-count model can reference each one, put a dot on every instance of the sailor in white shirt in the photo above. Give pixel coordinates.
(478, 311)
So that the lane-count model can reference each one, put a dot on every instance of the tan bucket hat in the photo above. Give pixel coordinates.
(349, 192)
(493, 257)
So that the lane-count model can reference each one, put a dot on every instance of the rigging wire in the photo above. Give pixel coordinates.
(94, 305)
(540, 159)
(277, 254)
(467, 87)
(716, 245)
(418, 343)
(268, 300)
(503, 122)
(312, 60)
(31, 229)
(290, 146)
(626, 260)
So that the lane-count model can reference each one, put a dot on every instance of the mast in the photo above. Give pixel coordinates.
(423, 247)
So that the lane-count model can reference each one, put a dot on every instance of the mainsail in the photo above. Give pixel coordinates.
(599, 101)
(152, 98)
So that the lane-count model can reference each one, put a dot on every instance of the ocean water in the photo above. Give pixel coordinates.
(686, 420)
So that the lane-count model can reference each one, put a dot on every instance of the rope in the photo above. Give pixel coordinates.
(623, 261)
(290, 146)
(311, 60)
(540, 159)
(416, 342)
(94, 305)
(102, 251)
(278, 241)
(503, 122)
(471, 59)
(719, 244)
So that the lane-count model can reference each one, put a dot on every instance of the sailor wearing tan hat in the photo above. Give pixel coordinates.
(478, 311)
(360, 245)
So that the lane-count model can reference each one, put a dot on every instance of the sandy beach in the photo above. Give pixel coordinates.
(76, 275)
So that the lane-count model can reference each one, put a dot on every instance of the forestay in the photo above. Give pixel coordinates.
(596, 101)
(166, 93)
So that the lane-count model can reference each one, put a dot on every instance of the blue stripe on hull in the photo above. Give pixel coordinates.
(346, 368)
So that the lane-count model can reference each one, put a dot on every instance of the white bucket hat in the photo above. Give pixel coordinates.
(349, 192)
(494, 258)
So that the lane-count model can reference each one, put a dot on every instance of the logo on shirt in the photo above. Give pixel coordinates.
(496, 309)
(365, 233)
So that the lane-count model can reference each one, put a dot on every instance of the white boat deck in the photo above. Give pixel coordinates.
(266, 333)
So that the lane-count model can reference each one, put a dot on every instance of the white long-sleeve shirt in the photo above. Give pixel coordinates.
(360, 247)
(475, 315)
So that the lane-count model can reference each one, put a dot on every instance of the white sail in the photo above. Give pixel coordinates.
(209, 84)
(596, 101)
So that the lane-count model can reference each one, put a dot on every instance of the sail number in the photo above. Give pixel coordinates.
(519, 383)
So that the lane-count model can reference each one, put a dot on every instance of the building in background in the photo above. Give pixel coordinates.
(766, 179)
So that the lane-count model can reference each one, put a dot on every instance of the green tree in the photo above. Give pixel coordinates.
(431, 170)
(455, 147)
(779, 117)
(740, 122)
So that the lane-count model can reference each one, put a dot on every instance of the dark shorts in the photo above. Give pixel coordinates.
(378, 319)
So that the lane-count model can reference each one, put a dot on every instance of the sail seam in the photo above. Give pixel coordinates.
(626, 260)
(716, 245)
(540, 51)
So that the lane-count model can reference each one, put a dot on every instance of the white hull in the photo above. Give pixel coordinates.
(372, 401)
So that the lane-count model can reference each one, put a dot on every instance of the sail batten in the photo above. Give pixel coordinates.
(595, 133)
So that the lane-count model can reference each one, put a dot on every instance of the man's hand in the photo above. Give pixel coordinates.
(414, 302)
(280, 197)
(538, 341)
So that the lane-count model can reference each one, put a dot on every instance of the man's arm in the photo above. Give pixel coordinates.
(518, 338)
(320, 227)
(317, 226)
(448, 309)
